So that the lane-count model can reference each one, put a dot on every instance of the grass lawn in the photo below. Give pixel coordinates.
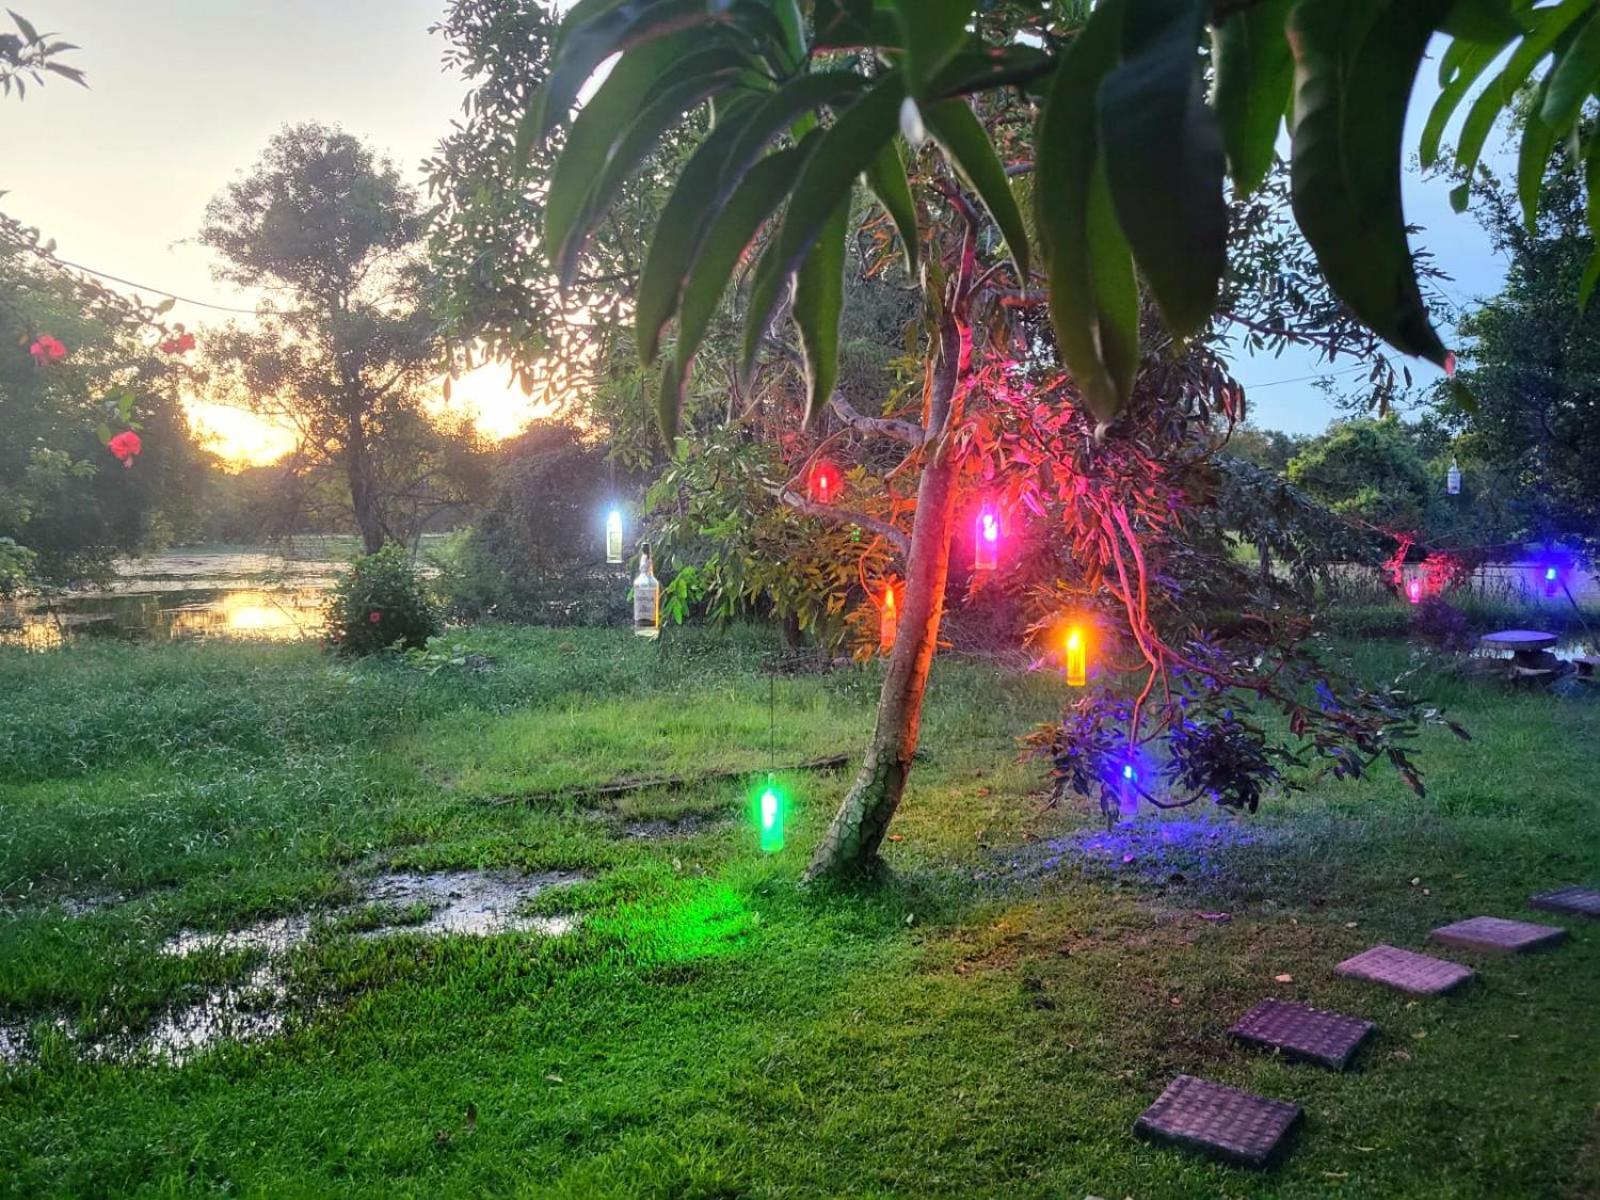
(988, 1023)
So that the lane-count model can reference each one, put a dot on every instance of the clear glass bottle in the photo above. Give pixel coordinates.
(646, 597)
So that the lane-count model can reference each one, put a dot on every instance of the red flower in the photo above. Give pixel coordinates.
(125, 447)
(181, 344)
(47, 349)
(374, 617)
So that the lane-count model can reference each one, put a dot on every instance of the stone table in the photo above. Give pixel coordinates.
(1529, 650)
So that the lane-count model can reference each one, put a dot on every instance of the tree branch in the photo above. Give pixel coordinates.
(843, 516)
(908, 432)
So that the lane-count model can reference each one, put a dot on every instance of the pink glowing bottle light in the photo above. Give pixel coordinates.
(986, 556)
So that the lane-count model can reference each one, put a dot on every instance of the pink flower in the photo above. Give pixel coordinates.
(47, 349)
(125, 447)
(374, 617)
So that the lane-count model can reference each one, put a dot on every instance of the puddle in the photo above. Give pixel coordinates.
(456, 903)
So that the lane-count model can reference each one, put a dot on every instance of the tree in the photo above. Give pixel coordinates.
(345, 341)
(1126, 167)
(29, 54)
(1367, 470)
(1533, 365)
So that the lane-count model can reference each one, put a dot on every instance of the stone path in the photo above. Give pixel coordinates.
(1244, 1129)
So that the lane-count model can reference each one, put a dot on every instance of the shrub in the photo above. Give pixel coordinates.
(381, 602)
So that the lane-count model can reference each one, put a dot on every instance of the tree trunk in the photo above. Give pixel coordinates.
(363, 488)
(849, 849)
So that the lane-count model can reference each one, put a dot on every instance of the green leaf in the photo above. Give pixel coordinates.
(1164, 159)
(1459, 69)
(1461, 396)
(842, 24)
(1355, 63)
(1253, 80)
(1064, 176)
(848, 147)
(886, 178)
(755, 200)
(992, 67)
(688, 212)
(595, 131)
(1488, 22)
(669, 402)
(1591, 182)
(586, 43)
(1533, 157)
(766, 290)
(932, 31)
(641, 137)
(1574, 77)
(25, 27)
(818, 303)
(1116, 287)
(1549, 24)
(781, 109)
(1460, 197)
(966, 143)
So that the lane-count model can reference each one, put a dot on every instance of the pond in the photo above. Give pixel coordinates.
(267, 594)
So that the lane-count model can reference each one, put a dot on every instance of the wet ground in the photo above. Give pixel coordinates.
(263, 1004)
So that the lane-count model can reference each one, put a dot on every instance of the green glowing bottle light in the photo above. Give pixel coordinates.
(770, 815)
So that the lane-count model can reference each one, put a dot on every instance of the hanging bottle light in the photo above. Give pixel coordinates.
(1076, 655)
(1452, 478)
(769, 817)
(1414, 589)
(986, 555)
(888, 621)
(825, 483)
(1128, 792)
(1552, 580)
(646, 597)
(614, 536)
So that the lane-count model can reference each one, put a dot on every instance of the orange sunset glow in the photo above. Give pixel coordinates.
(496, 408)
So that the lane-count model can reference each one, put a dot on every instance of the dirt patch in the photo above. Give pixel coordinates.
(1149, 850)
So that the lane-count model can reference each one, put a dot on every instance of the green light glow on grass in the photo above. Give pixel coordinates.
(769, 817)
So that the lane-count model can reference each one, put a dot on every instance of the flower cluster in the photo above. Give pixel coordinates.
(181, 344)
(125, 447)
(47, 349)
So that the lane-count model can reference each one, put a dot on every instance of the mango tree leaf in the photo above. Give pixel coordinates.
(752, 203)
(766, 291)
(966, 143)
(1355, 62)
(1487, 22)
(635, 145)
(1064, 177)
(992, 67)
(595, 130)
(1459, 69)
(669, 402)
(1116, 287)
(590, 37)
(1573, 79)
(847, 148)
(1253, 74)
(1533, 157)
(886, 179)
(780, 110)
(1549, 24)
(818, 303)
(688, 212)
(932, 32)
(1164, 159)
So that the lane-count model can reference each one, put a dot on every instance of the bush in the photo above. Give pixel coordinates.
(381, 602)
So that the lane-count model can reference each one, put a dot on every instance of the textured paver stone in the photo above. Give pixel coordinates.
(1576, 901)
(1217, 1121)
(1418, 974)
(1498, 934)
(1309, 1034)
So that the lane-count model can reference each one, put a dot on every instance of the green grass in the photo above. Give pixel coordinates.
(987, 1023)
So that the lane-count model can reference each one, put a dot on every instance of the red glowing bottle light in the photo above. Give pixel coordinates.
(825, 483)
(986, 555)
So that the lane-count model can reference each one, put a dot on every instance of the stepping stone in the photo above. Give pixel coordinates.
(1498, 934)
(1219, 1122)
(1301, 1032)
(1575, 901)
(1419, 974)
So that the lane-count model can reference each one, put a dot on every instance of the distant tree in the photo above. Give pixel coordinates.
(1268, 448)
(346, 341)
(1532, 361)
(1368, 470)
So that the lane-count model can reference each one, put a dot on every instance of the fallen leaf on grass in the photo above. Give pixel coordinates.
(555, 1079)
(1205, 916)
(1283, 978)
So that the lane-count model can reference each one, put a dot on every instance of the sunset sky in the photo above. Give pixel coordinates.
(185, 93)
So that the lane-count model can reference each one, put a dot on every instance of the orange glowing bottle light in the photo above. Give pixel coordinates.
(986, 555)
(888, 622)
(1077, 657)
